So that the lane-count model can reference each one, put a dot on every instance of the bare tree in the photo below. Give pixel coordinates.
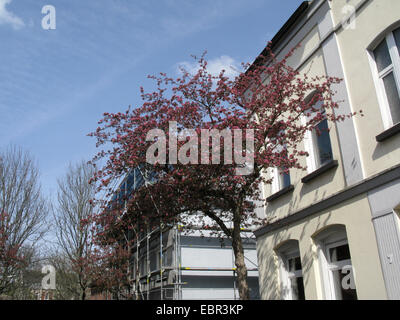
(23, 212)
(74, 207)
(67, 284)
(28, 283)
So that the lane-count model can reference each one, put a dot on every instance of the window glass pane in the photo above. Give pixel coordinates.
(297, 263)
(139, 179)
(284, 179)
(382, 56)
(339, 253)
(294, 264)
(344, 285)
(121, 194)
(324, 152)
(297, 288)
(392, 96)
(130, 183)
(291, 265)
(396, 34)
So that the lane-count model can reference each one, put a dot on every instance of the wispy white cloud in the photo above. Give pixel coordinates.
(27, 79)
(214, 66)
(7, 17)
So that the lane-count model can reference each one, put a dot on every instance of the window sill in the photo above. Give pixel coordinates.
(326, 167)
(280, 193)
(388, 133)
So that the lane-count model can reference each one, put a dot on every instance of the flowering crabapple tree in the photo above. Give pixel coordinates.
(109, 261)
(267, 105)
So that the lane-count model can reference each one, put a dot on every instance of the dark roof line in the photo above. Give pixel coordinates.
(283, 30)
(289, 24)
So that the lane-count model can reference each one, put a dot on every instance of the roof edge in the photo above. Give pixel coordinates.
(283, 30)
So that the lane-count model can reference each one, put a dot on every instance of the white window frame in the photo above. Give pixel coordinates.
(285, 275)
(378, 77)
(276, 182)
(275, 173)
(327, 267)
(314, 138)
(334, 266)
(311, 146)
(293, 275)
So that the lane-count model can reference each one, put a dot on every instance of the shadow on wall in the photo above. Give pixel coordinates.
(290, 203)
(384, 148)
(268, 271)
(270, 288)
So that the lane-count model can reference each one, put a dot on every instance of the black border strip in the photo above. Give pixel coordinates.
(282, 32)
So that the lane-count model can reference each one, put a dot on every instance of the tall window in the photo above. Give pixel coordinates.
(339, 265)
(284, 178)
(318, 143)
(337, 269)
(291, 274)
(387, 62)
(281, 175)
(322, 144)
(281, 179)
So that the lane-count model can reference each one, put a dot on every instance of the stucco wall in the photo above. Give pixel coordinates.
(356, 217)
(371, 23)
(315, 65)
(359, 152)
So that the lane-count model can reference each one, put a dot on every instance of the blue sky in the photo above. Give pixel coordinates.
(56, 84)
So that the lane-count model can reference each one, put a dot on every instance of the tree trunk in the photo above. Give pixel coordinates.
(241, 269)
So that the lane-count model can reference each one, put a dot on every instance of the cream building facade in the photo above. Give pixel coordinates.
(334, 232)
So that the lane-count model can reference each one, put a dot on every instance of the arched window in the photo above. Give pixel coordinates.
(335, 262)
(386, 69)
(290, 270)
